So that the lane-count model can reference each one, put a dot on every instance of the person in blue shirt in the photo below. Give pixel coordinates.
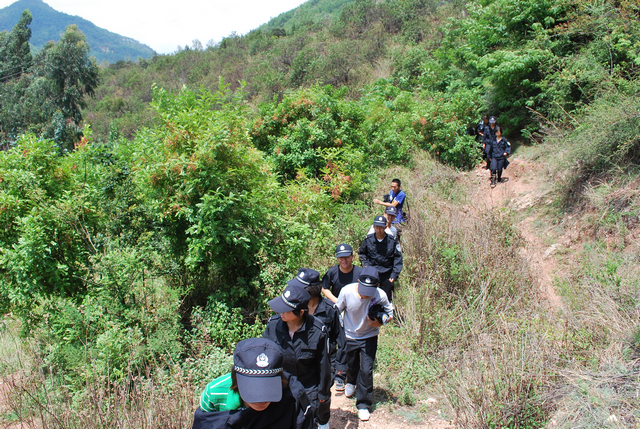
(396, 199)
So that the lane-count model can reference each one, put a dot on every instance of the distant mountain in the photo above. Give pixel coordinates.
(49, 24)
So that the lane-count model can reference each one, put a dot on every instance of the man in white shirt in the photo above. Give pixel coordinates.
(366, 308)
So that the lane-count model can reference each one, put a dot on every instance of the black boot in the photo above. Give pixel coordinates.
(493, 180)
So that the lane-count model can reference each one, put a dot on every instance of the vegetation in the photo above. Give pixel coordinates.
(44, 93)
(133, 261)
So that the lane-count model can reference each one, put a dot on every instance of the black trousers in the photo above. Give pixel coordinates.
(322, 409)
(497, 164)
(387, 286)
(360, 357)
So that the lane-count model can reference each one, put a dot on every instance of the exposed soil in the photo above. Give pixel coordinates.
(522, 188)
(385, 416)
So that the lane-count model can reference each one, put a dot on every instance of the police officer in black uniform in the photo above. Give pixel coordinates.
(303, 339)
(342, 274)
(480, 137)
(383, 252)
(272, 399)
(324, 310)
(488, 138)
(501, 150)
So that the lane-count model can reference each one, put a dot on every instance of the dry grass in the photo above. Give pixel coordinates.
(32, 396)
(471, 325)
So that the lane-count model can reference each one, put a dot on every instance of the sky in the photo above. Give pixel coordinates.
(164, 25)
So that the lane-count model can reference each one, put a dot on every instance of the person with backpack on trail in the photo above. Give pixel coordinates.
(257, 394)
(396, 199)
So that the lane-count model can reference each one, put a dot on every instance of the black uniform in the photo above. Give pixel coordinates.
(479, 131)
(306, 355)
(497, 156)
(386, 257)
(292, 412)
(488, 139)
(328, 314)
(334, 279)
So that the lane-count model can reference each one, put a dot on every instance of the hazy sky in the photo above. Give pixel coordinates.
(163, 25)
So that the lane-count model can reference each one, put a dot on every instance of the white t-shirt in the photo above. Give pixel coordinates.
(392, 231)
(355, 310)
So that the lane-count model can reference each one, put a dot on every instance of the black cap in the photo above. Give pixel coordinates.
(259, 364)
(492, 120)
(305, 277)
(343, 250)
(379, 221)
(292, 298)
(391, 210)
(368, 281)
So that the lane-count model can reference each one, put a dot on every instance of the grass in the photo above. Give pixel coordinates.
(469, 328)
(482, 339)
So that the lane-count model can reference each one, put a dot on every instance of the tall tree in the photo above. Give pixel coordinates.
(15, 54)
(72, 72)
(45, 94)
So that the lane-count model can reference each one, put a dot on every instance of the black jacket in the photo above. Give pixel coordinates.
(501, 147)
(390, 260)
(489, 135)
(307, 355)
(292, 412)
(328, 314)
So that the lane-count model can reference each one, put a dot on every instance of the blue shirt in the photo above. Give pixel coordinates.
(400, 199)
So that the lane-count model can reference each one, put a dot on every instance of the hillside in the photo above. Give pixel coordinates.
(48, 24)
(139, 247)
(310, 12)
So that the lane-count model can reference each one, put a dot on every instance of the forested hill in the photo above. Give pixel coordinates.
(48, 24)
(310, 12)
(137, 251)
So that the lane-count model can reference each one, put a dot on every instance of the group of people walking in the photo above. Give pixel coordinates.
(283, 380)
(495, 148)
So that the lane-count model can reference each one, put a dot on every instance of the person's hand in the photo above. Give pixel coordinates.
(505, 154)
(392, 280)
(373, 323)
(377, 201)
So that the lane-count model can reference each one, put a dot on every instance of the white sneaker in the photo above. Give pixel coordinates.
(349, 390)
(324, 426)
(363, 414)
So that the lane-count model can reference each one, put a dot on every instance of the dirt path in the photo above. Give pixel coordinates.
(522, 189)
(385, 416)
